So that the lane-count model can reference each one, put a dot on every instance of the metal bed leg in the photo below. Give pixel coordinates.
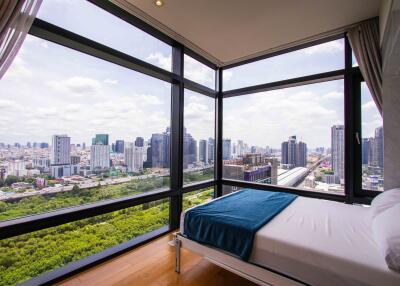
(177, 254)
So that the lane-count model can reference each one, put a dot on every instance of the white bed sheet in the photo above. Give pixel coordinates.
(322, 243)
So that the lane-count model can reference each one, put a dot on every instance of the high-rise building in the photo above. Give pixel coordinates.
(139, 142)
(240, 148)
(60, 150)
(377, 148)
(284, 153)
(160, 157)
(75, 160)
(203, 152)
(99, 157)
(365, 151)
(148, 163)
(292, 148)
(189, 149)
(83, 146)
(100, 139)
(119, 146)
(226, 149)
(337, 151)
(301, 154)
(133, 157)
(210, 149)
(294, 154)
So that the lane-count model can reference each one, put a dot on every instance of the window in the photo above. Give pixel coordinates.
(26, 256)
(75, 129)
(87, 20)
(291, 137)
(372, 142)
(198, 142)
(195, 198)
(198, 72)
(325, 57)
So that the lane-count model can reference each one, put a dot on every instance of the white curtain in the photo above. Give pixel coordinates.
(364, 40)
(16, 17)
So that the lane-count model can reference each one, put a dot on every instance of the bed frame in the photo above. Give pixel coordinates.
(252, 272)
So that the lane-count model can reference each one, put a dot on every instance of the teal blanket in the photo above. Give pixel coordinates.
(230, 223)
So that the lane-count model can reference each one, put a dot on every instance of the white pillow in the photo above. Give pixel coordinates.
(386, 230)
(384, 201)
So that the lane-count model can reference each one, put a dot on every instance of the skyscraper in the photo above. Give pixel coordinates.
(301, 154)
(210, 149)
(100, 138)
(133, 157)
(99, 157)
(119, 146)
(203, 154)
(160, 157)
(337, 149)
(189, 149)
(226, 149)
(60, 150)
(365, 151)
(284, 153)
(292, 148)
(294, 154)
(378, 148)
(139, 142)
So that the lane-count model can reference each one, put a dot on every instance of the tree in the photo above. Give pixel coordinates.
(11, 180)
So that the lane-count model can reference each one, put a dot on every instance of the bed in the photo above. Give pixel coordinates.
(310, 242)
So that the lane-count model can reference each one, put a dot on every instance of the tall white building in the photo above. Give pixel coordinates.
(337, 151)
(133, 156)
(60, 150)
(99, 157)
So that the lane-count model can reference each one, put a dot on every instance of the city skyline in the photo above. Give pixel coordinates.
(50, 89)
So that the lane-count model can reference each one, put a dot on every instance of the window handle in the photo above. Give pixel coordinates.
(358, 138)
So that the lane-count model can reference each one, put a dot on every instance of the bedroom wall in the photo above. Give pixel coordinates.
(391, 96)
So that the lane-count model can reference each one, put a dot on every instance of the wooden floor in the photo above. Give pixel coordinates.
(153, 264)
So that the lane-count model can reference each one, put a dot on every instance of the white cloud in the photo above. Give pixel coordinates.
(110, 81)
(333, 95)
(76, 85)
(370, 105)
(160, 60)
(44, 45)
(18, 70)
(329, 47)
(8, 104)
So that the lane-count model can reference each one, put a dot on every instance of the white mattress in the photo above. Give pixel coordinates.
(322, 243)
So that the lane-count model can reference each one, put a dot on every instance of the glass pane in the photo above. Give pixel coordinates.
(198, 72)
(26, 256)
(198, 145)
(316, 59)
(372, 142)
(292, 137)
(75, 129)
(197, 197)
(87, 20)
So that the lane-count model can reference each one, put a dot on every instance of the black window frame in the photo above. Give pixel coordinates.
(351, 76)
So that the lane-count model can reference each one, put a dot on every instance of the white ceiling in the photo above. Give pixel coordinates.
(229, 31)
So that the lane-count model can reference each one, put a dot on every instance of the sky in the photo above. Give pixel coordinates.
(51, 89)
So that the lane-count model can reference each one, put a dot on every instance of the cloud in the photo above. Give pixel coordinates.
(44, 45)
(329, 47)
(110, 81)
(18, 70)
(160, 60)
(76, 85)
(8, 104)
(198, 72)
(370, 105)
(333, 95)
